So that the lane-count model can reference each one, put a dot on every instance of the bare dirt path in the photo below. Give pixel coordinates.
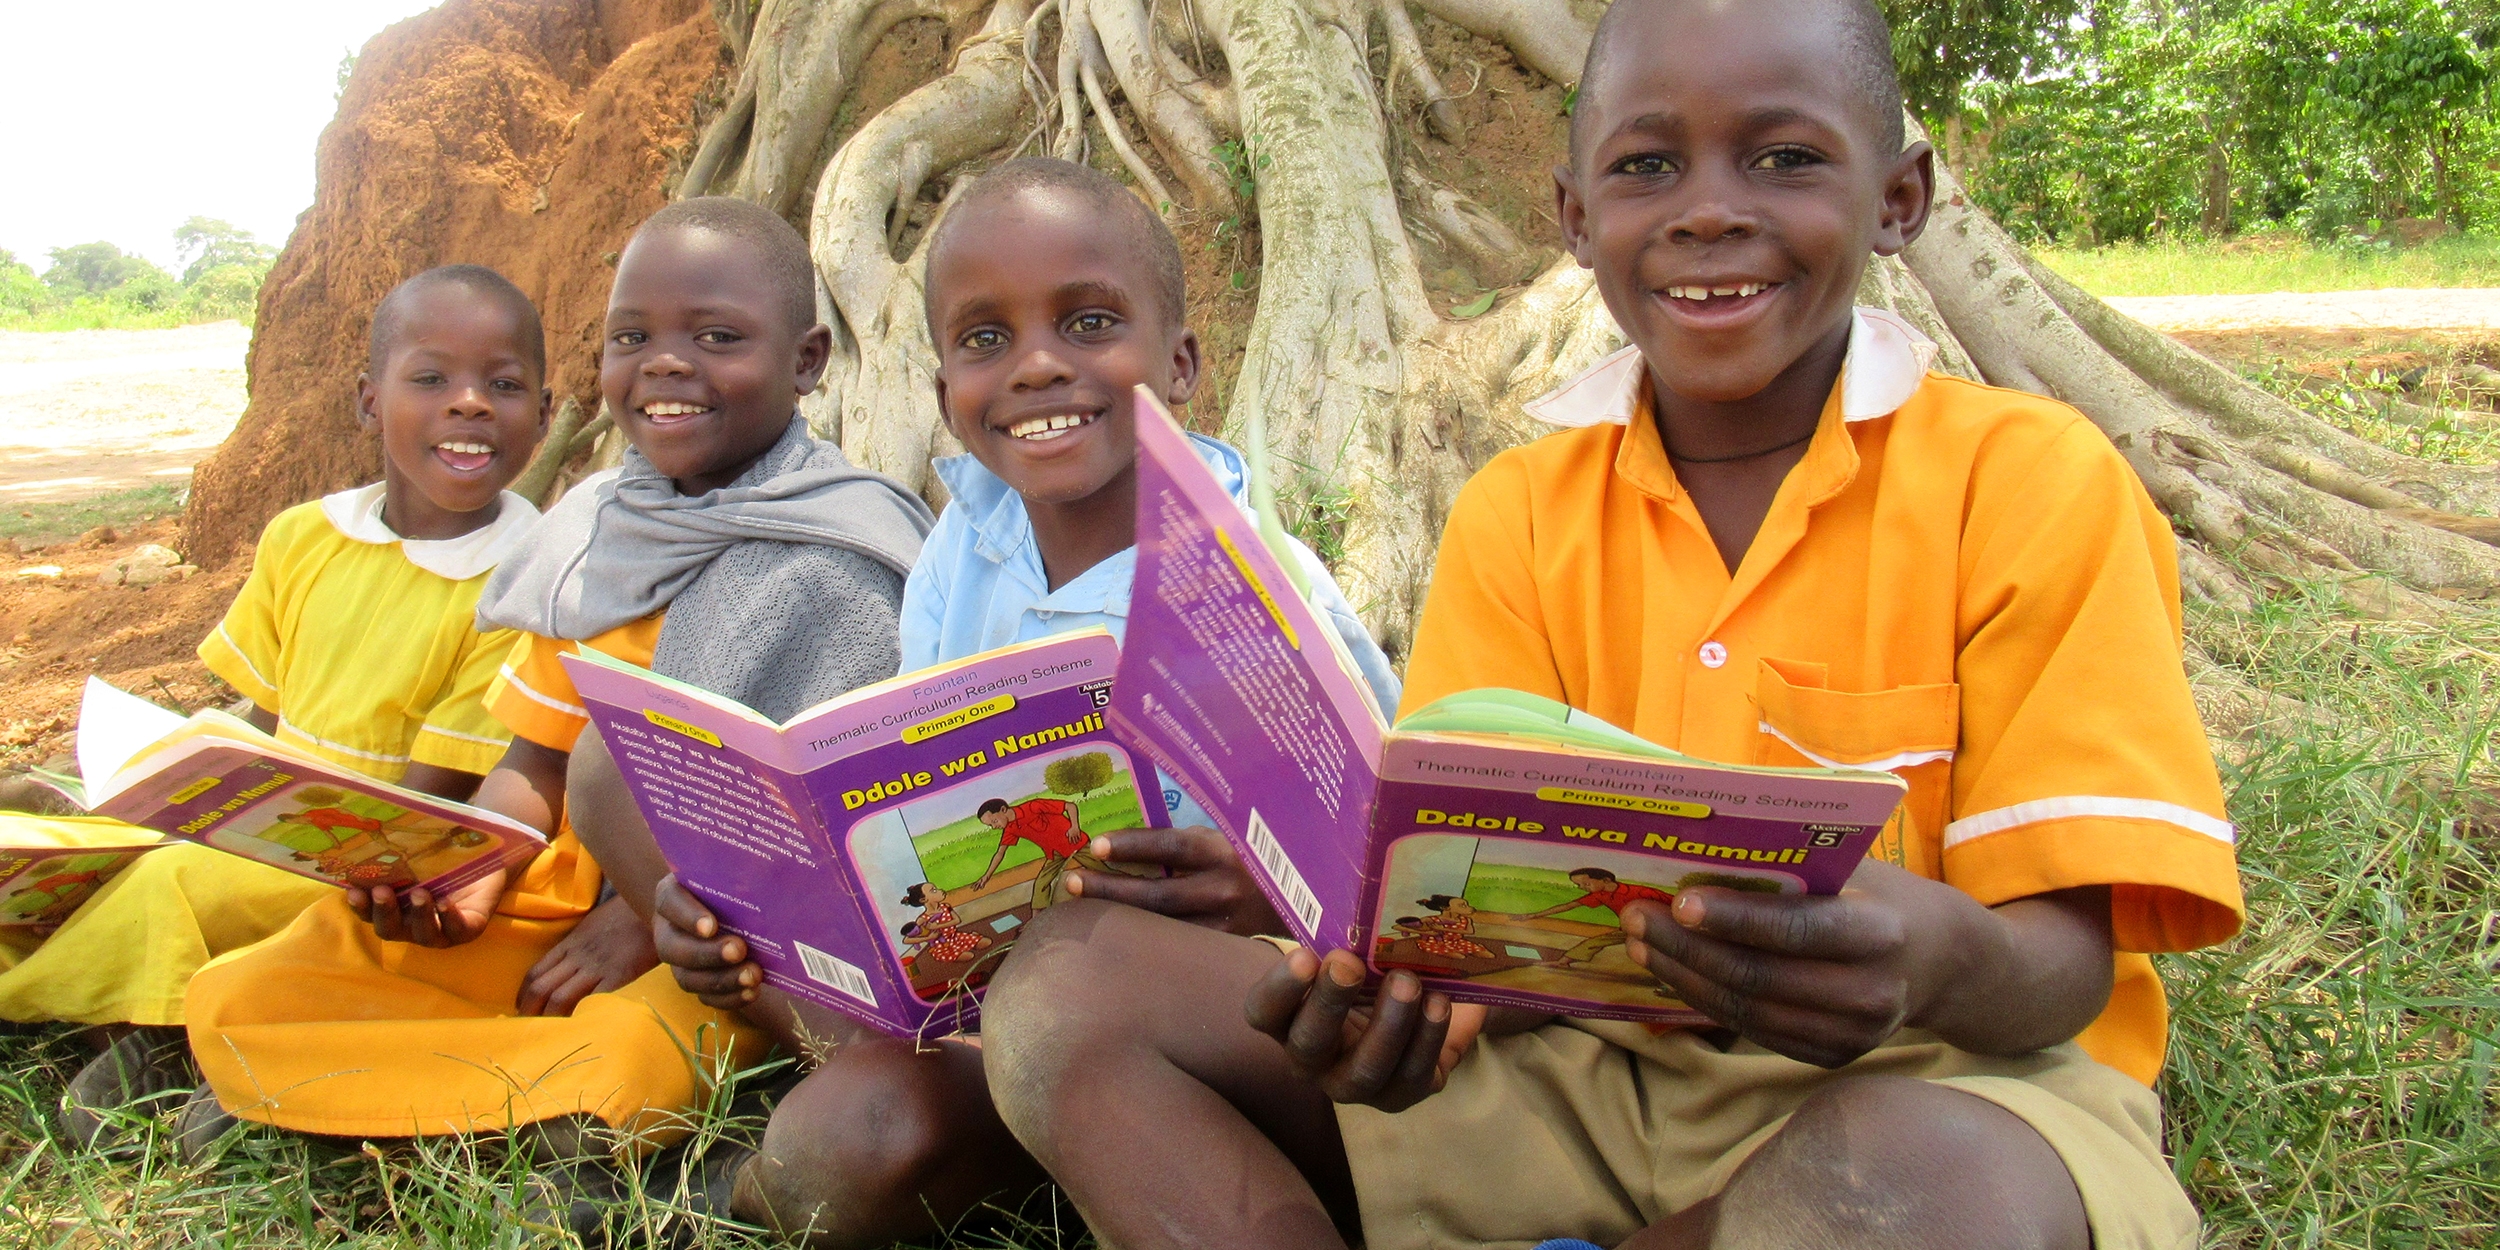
(86, 412)
(2451, 310)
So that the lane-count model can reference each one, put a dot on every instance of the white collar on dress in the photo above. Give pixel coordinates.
(1887, 360)
(357, 513)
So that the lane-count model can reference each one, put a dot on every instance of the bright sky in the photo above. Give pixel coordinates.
(158, 110)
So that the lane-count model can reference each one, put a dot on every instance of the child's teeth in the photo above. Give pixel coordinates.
(667, 409)
(467, 449)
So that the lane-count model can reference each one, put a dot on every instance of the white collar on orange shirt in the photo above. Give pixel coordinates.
(1887, 360)
(357, 513)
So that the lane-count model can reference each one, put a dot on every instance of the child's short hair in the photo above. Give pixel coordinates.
(914, 896)
(774, 241)
(1438, 902)
(992, 805)
(390, 317)
(1866, 36)
(1599, 873)
(1141, 232)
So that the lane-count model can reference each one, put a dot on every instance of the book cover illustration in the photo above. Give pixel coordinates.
(880, 852)
(216, 780)
(41, 885)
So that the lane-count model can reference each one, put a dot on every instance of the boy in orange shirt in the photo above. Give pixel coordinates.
(1774, 538)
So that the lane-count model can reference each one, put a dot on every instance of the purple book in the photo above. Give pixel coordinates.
(879, 852)
(1489, 842)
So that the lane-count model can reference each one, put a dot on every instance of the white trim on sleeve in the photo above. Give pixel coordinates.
(245, 659)
(2068, 806)
(1901, 759)
(286, 728)
(513, 680)
(480, 739)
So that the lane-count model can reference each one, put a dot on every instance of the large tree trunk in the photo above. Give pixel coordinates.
(1380, 402)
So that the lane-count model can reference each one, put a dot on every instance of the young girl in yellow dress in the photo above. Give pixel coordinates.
(354, 638)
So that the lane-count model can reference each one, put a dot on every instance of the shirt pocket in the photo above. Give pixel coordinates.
(1909, 731)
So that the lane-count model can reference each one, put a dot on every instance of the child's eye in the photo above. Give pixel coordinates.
(1644, 164)
(428, 378)
(507, 384)
(627, 338)
(1091, 323)
(1786, 158)
(983, 340)
(717, 338)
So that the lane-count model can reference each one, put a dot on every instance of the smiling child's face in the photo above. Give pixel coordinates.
(701, 365)
(1731, 184)
(1043, 324)
(461, 404)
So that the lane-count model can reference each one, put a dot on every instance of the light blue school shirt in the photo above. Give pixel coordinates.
(979, 585)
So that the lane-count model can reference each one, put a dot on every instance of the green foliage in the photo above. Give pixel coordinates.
(1078, 774)
(94, 268)
(1239, 162)
(2277, 262)
(207, 244)
(2333, 116)
(1943, 46)
(97, 286)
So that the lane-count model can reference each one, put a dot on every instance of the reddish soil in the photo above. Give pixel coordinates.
(55, 631)
(530, 135)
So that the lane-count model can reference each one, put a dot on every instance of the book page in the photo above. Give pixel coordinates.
(1504, 864)
(1229, 681)
(114, 727)
(254, 799)
(42, 883)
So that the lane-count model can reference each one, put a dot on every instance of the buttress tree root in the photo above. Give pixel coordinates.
(1302, 121)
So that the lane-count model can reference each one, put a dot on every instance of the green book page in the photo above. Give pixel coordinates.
(1518, 714)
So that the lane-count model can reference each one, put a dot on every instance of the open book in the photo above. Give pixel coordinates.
(215, 780)
(878, 852)
(1489, 843)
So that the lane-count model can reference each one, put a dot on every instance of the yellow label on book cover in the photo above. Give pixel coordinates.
(674, 725)
(959, 718)
(1259, 588)
(196, 789)
(1626, 802)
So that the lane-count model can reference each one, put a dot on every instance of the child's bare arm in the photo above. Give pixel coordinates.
(443, 783)
(1205, 885)
(611, 825)
(1825, 979)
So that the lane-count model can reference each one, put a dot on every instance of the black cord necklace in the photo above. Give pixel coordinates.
(1742, 455)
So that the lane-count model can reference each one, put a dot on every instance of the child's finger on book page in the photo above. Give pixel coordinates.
(678, 905)
(1317, 1037)
(1190, 849)
(1278, 996)
(1843, 927)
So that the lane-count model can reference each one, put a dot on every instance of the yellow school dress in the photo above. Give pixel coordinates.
(366, 647)
(328, 1029)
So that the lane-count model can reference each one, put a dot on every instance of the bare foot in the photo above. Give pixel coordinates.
(608, 949)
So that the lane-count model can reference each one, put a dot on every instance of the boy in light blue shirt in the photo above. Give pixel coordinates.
(1053, 293)
(980, 585)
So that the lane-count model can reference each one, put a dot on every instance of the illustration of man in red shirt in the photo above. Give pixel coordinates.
(1051, 826)
(1603, 890)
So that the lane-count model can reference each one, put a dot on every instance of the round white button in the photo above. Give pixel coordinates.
(1713, 655)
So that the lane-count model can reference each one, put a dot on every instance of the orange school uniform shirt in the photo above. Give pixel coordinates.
(1964, 585)
(534, 697)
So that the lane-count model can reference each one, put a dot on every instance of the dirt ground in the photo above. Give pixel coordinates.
(93, 411)
(2461, 310)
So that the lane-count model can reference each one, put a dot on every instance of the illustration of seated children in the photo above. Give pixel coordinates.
(1052, 291)
(731, 550)
(935, 934)
(354, 639)
(1450, 931)
(1766, 534)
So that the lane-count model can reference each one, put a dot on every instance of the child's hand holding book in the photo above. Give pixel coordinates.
(1391, 1054)
(417, 916)
(1826, 978)
(1204, 882)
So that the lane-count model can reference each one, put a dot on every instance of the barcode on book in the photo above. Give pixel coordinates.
(837, 972)
(1280, 870)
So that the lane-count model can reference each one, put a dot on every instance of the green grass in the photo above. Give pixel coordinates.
(41, 524)
(953, 855)
(2256, 265)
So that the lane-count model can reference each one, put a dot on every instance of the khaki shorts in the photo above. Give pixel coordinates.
(1597, 1129)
